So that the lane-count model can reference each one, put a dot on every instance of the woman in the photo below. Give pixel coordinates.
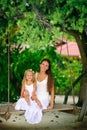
(44, 92)
(45, 85)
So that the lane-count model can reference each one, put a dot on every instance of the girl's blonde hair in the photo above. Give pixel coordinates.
(25, 73)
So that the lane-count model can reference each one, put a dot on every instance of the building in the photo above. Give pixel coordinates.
(68, 49)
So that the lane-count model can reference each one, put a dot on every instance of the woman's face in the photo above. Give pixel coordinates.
(44, 66)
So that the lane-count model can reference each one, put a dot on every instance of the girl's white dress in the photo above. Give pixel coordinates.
(21, 103)
(33, 114)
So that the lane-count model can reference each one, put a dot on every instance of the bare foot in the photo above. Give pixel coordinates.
(14, 104)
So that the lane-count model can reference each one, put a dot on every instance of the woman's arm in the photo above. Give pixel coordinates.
(52, 98)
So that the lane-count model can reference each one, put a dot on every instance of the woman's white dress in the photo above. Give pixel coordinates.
(42, 93)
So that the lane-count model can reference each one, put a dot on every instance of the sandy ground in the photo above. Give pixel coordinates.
(51, 120)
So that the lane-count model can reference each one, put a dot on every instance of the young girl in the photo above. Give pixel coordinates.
(28, 90)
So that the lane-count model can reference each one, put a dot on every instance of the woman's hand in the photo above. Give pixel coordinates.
(50, 107)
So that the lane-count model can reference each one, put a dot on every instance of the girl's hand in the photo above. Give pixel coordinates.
(33, 97)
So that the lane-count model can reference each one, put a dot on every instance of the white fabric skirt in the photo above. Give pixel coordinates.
(44, 101)
(21, 104)
(33, 114)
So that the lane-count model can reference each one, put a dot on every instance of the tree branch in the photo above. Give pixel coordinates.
(73, 85)
(40, 17)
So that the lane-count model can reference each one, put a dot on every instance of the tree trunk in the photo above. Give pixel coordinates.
(83, 89)
(83, 110)
(82, 44)
(73, 85)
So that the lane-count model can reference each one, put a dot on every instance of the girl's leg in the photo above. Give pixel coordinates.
(26, 96)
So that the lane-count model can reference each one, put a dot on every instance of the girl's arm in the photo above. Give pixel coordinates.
(34, 91)
(22, 90)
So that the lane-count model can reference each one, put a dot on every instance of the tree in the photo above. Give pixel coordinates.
(10, 12)
(70, 17)
(14, 16)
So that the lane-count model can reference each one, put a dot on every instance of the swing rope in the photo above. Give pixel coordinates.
(8, 75)
(7, 113)
(70, 72)
(71, 76)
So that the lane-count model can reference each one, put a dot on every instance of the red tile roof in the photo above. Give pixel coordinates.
(68, 49)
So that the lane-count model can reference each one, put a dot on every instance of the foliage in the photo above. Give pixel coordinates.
(32, 33)
(38, 24)
(3, 73)
(19, 62)
(67, 14)
(72, 69)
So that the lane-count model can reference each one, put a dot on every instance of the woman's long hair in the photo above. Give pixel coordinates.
(50, 77)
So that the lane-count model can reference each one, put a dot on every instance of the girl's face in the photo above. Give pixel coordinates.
(29, 76)
(44, 66)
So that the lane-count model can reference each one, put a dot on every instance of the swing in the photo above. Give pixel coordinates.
(70, 72)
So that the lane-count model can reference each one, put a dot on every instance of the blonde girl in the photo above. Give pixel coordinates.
(28, 91)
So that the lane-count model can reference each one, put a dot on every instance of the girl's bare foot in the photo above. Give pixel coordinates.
(14, 104)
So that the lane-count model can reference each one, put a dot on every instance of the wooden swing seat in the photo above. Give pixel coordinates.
(57, 107)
